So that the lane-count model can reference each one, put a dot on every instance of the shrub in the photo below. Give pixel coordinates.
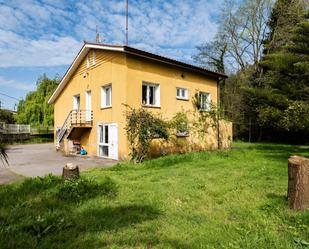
(143, 126)
(82, 188)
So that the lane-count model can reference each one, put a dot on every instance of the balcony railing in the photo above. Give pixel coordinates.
(76, 118)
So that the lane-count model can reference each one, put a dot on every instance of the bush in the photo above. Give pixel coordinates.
(82, 188)
(143, 126)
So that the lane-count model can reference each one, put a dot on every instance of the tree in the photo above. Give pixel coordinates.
(212, 54)
(245, 27)
(6, 117)
(268, 49)
(286, 70)
(35, 109)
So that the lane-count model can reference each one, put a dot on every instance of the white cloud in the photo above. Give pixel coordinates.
(16, 51)
(16, 85)
(33, 33)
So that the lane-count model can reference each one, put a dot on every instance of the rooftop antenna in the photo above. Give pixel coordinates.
(97, 36)
(127, 14)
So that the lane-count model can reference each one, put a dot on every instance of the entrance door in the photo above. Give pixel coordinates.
(88, 106)
(108, 140)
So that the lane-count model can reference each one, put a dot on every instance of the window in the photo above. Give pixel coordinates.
(88, 60)
(91, 59)
(151, 94)
(106, 96)
(181, 93)
(76, 102)
(205, 101)
(103, 140)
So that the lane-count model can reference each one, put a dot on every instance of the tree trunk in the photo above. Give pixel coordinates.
(70, 172)
(298, 185)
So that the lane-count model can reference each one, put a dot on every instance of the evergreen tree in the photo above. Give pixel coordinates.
(280, 97)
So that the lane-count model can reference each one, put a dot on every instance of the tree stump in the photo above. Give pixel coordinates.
(70, 172)
(298, 184)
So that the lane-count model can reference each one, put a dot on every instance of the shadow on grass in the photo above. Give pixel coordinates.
(274, 203)
(33, 216)
(279, 151)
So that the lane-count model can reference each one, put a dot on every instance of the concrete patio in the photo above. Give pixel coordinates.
(32, 160)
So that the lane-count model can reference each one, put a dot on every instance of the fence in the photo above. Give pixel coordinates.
(24, 129)
(14, 129)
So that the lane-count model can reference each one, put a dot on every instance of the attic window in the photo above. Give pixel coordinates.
(91, 57)
(88, 60)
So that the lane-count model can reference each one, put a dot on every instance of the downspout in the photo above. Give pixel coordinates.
(218, 117)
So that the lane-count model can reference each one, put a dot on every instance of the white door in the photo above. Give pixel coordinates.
(88, 106)
(108, 140)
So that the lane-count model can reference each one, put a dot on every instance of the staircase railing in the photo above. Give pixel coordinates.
(74, 118)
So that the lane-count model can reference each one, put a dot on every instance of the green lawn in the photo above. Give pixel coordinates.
(227, 199)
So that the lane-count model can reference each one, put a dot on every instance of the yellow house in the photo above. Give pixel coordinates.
(89, 101)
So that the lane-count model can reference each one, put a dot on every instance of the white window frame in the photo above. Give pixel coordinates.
(103, 95)
(156, 94)
(208, 101)
(76, 104)
(186, 91)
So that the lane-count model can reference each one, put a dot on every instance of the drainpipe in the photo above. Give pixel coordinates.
(218, 107)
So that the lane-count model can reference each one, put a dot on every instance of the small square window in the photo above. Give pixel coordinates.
(106, 96)
(182, 93)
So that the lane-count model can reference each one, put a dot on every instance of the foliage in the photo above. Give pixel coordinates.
(170, 202)
(34, 109)
(6, 117)
(285, 78)
(212, 54)
(180, 123)
(267, 95)
(81, 188)
(141, 127)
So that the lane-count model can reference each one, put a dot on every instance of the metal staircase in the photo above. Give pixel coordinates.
(75, 119)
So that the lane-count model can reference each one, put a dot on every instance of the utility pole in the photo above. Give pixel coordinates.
(127, 28)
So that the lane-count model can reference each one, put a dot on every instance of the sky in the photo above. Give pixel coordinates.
(44, 36)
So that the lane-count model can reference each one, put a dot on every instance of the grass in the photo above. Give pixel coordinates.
(34, 140)
(223, 199)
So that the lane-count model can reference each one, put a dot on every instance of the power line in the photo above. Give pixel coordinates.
(9, 96)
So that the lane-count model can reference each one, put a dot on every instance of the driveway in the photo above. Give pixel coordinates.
(41, 159)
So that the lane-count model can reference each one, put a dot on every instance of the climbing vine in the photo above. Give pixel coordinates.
(142, 127)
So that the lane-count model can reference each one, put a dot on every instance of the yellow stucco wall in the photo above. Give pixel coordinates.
(126, 74)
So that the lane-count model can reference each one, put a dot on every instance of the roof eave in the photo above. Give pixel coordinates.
(83, 51)
(172, 62)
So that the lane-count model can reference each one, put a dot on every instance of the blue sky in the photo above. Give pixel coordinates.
(43, 36)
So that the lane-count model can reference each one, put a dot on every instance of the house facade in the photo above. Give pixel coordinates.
(90, 101)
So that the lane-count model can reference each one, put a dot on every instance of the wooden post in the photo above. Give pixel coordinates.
(298, 184)
(70, 172)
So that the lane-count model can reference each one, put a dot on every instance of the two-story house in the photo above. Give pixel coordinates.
(89, 101)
